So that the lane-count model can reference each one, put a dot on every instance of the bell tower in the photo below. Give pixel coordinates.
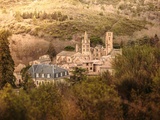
(109, 42)
(85, 45)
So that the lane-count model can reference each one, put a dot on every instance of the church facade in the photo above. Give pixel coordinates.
(94, 59)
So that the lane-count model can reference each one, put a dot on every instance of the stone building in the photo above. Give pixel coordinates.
(94, 59)
(47, 73)
(45, 59)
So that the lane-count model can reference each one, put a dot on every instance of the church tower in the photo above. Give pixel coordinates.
(86, 45)
(109, 42)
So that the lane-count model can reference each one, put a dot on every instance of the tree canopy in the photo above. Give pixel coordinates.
(6, 61)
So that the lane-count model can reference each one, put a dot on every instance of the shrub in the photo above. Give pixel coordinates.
(69, 48)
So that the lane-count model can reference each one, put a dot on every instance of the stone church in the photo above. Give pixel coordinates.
(94, 59)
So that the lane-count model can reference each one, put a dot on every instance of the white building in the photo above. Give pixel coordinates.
(94, 60)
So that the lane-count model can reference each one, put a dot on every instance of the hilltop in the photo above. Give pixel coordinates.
(66, 20)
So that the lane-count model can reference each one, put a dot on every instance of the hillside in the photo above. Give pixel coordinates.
(59, 20)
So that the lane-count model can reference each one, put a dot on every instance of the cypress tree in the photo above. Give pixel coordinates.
(6, 61)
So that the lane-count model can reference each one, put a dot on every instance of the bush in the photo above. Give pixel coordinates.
(96, 41)
(69, 48)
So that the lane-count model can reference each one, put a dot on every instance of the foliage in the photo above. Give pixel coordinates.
(140, 61)
(58, 16)
(18, 16)
(116, 46)
(132, 93)
(137, 75)
(96, 41)
(97, 101)
(46, 103)
(152, 41)
(27, 82)
(51, 51)
(6, 61)
(14, 104)
(42, 103)
(69, 48)
(78, 75)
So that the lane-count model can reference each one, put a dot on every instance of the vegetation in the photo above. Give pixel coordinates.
(6, 61)
(96, 41)
(43, 15)
(132, 93)
(69, 48)
(51, 51)
(135, 81)
(57, 19)
(79, 74)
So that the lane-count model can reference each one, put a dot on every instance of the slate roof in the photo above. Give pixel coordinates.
(46, 69)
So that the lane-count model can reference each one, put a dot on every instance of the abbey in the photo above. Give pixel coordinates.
(94, 60)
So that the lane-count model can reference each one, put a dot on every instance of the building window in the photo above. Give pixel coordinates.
(109, 34)
(42, 75)
(109, 38)
(86, 64)
(56, 74)
(65, 73)
(37, 75)
(61, 74)
(90, 68)
(48, 75)
(83, 50)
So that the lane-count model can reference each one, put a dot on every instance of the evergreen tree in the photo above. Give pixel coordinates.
(51, 51)
(6, 61)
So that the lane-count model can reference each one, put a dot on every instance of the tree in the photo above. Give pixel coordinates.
(79, 74)
(27, 83)
(96, 41)
(46, 103)
(134, 69)
(51, 51)
(14, 104)
(69, 48)
(137, 76)
(6, 61)
(97, 100)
